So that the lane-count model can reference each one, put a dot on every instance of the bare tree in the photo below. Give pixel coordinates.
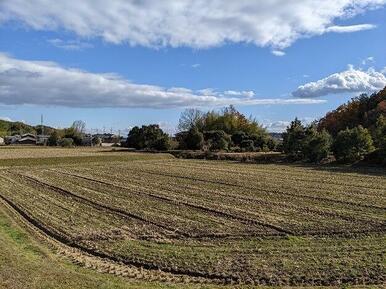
(79, 126)
(190, 118)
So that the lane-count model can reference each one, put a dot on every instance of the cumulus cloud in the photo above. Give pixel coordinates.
(351, 80)
(47, 83)
(277, 126)
(198, 24)
(281, 125)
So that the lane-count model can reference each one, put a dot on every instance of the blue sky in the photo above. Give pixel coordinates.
(324, 62)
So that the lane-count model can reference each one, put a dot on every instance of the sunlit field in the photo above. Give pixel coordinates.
(155, 218)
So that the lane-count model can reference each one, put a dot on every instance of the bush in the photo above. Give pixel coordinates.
(66, 142)
(352, 145)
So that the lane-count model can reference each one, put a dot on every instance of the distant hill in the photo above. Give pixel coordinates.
(363, 110)
(276, 135)
(17, 127)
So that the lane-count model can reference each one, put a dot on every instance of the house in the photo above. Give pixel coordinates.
(27, 139)
(42, 139)
(12, 139)
(2, 141)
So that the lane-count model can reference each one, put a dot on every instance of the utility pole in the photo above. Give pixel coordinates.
(41, 125)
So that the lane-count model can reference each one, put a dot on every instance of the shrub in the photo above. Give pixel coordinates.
(352, 145)
(66, 142)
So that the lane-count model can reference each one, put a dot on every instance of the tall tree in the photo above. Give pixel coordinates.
(79, 126)
(190, 118)
(293, 139)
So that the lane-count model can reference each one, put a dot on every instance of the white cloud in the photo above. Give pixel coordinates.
(196, 65)
(281, 125)
(6, 118)
(244, 93)
(278, 52)
(277, 126)
(351, 80)
(368, 60)
(168, 127)
(350, 28)
(198, 24)
(47, 83)
(69, 44)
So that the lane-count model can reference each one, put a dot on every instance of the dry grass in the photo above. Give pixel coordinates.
(212, 222)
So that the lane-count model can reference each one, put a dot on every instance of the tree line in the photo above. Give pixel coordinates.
(354, 131)
(224, 130)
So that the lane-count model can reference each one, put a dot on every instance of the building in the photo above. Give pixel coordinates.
(42, 139)
(2, 141)
(27, 139)
(13, 139)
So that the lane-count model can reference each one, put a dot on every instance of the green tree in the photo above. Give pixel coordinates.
(192, 139)
(238, 137)
(217, 140)
(76, 132)
(293, 139)
(148, 137)
(53, 139)
(247, 145)
(380, 138)
(352, 145)
(317, 145)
